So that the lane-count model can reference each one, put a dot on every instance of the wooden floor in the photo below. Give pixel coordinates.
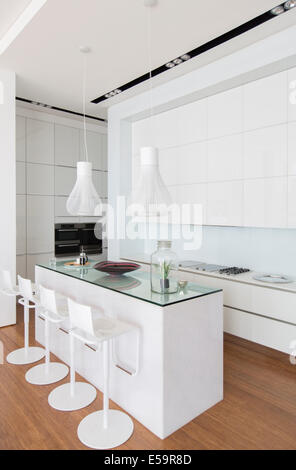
(258, 410)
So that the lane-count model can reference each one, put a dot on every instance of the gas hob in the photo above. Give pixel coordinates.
(214, 268)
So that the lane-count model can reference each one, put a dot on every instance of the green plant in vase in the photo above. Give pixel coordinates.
(165, 269)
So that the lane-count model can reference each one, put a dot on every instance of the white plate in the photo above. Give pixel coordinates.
(273, 278)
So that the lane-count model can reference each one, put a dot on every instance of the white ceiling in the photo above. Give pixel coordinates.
(10, 10)
(46, 54)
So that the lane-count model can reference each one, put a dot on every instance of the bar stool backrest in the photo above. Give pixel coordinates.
(25, 288)
(6, 282)
(81, 317)
(48, 299)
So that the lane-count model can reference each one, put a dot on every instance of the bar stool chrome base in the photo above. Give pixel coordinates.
(61, 398)
(92, 433)
(25, 355)
(45, 374)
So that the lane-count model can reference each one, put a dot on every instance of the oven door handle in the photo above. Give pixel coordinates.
(69, 244)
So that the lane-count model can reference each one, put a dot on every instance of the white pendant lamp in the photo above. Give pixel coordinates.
(84, 199)
(150, 195)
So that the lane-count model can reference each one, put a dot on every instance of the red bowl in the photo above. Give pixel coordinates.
(117, 268)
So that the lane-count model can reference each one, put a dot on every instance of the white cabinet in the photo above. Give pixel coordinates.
(257, 313)
(225, 158)
(40, 141)
(21, 234)
(291, 202)
(237, 146)
(60, 206)
(225, 201)
(40, 179)
(21, 178)
(94, 147)
(267, 332)
(265, 101)
(168, 165)
(47, 154)
(65, 179)
(291, 86)
(292, 148)
(265, 152)
(192, 122)
(225, 112)
(104, 152)
(21, 265)
(40, 221)
(265, 202)
(67, 151)
(193, 157)
(20, 139)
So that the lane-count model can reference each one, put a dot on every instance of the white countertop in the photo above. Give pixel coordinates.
(245, 278)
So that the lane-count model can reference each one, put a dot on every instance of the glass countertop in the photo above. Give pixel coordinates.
(135, 284)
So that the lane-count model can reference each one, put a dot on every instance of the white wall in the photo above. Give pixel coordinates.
(48, 148)
(234, 153)
(7, 189)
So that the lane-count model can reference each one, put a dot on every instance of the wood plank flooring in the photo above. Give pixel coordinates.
(258, 410)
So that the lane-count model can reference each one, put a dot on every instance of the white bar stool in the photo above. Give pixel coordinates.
(73, 395)
(7, 287)
(28, 354)
(53, 310)
(103, 429)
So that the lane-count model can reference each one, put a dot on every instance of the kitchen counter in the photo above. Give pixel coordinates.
(246, 278)
(181, 344)
(261, 312)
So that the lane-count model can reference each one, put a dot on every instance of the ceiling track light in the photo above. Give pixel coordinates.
(178, 61)
(277, 10)
(112, 93)
(290, 4)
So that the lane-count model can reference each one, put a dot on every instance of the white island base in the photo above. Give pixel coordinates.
(181, 352)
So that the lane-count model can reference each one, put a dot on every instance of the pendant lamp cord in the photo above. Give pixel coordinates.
(149, 53)
(84, 100)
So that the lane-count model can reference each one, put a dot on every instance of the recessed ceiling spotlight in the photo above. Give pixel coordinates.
(185, 57)
(277, 10)
(177, 61)
(117, 91)
(170, 65)
(290, 4)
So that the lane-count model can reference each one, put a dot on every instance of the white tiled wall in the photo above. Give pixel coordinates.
(47, 154)
(234, 152)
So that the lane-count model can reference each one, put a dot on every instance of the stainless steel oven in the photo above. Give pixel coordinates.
(70, 237)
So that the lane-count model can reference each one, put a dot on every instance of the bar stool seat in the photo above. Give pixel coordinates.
(27, 354)
(53, 310)
(103, 429)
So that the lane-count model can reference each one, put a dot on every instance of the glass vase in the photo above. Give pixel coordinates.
(163, 270)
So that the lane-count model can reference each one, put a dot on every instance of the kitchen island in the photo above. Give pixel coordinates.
(176, 373)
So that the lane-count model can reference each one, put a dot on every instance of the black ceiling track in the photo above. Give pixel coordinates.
(249, 25)
(42, 105)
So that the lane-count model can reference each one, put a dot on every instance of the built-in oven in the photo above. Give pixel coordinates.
(70, 237)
